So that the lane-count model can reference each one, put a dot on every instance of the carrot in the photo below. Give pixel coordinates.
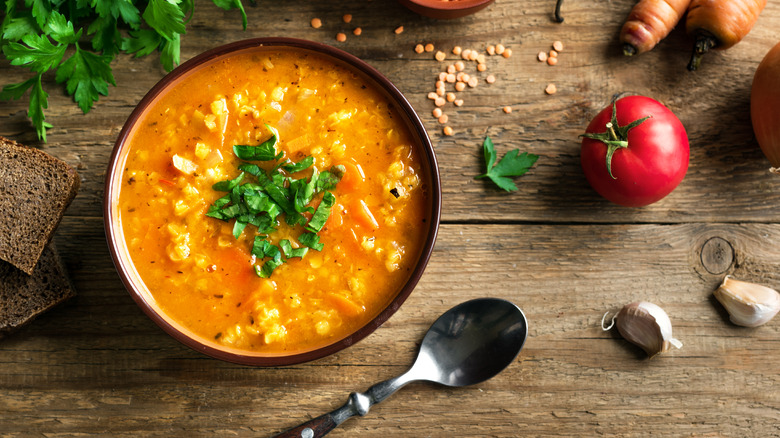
(364, 216)
(298, 143)
(344, 305)
(719, 24)
(649, 22)
(353, 176)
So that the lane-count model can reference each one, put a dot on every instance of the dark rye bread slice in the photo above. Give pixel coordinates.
(23, 297)
(35, 190)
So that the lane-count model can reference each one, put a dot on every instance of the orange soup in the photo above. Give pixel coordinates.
(353, 240)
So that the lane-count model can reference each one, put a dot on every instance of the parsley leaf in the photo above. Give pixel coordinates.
(510, 165)
(143, 42)
(17, 27)
(86, 76)
(38, 101)
(60, 29)
(166, 17)
(170, 52)
(36, 53)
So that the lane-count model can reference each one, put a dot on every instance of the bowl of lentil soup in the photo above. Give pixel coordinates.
(272, 201)
(446, 8)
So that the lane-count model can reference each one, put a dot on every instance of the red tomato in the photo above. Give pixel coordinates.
(635, 152)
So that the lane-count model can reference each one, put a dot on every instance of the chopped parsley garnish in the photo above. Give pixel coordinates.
(511, 164)
(259, 198)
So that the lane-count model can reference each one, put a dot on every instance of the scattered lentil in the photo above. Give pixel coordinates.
(507, 109)
(553, 54)
(432, 95)
(500, 49)
(450, 97)
(357, 31)
(440, 56)
(440, 91)
(459, 65)
(460, 86)
(341, 37)
(552, 61)
(440, 84)
(491, 49)
(558, 46)
(429, 47)
(542, 56)
(456, 50)
(458, 102)
(473, 82)
(443, 119)
(551, 89)
(347, 18)
(480, 59)
(473, 55)
(398, 30)
(440, 101)
(451, 78)
(316, 23)
(437, 112)
(419, 48)
(481, 67)
(507, 53)
(490, 79)
(447, 130)
(465, 54)
(451, 69)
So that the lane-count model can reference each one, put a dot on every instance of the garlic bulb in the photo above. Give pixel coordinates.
(748, 304)
(646, 325)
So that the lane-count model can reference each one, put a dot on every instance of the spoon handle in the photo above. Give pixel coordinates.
(358, 404)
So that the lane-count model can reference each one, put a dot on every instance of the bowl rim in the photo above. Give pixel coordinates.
(123, 264)
(450, 5)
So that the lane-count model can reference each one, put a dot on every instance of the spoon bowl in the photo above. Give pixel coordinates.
(468, 344)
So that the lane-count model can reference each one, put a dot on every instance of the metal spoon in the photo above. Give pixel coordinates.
(468, 344)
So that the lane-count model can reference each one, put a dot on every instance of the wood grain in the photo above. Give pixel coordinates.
(98, 366)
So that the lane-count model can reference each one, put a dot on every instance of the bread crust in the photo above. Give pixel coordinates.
(24, 297)
(35, 190)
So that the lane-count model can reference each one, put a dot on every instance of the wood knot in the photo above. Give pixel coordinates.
(717, 255)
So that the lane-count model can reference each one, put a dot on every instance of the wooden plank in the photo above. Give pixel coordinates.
(98, 365)
(727, 179)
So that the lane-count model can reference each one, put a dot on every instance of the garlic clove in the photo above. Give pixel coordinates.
(748, 304)
(648, 326)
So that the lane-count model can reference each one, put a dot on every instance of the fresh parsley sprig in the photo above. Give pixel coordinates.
(78, 40)
(271, 195)
(510, 165)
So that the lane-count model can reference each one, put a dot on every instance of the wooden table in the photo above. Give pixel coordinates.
(98, 366)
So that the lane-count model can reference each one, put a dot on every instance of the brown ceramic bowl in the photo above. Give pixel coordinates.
(446, 9)
(141, 293)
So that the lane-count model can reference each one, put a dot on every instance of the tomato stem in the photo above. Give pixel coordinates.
(615, 137)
